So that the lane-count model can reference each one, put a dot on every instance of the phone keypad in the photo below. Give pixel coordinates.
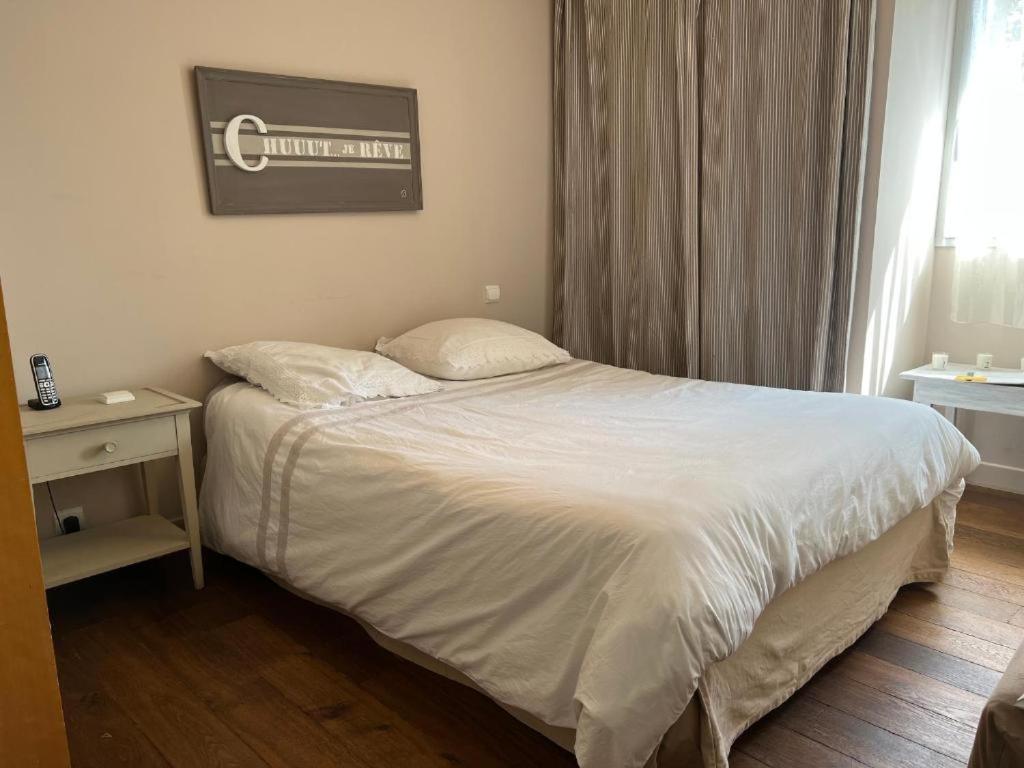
(47, 392)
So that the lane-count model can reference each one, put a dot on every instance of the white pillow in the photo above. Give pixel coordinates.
(313, 376)
(471, 348)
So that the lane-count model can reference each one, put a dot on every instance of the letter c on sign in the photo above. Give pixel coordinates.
(231, 142)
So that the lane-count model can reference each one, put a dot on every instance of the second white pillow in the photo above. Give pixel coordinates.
(466, 348)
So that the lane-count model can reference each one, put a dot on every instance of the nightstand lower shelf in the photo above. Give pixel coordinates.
(106, 547)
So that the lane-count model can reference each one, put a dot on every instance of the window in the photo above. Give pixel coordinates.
(983, 212)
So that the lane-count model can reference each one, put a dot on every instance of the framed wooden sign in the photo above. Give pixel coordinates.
(277, 144)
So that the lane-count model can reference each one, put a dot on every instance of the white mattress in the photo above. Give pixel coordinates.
(581, 541)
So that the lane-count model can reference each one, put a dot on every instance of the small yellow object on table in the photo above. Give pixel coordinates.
(971, 376)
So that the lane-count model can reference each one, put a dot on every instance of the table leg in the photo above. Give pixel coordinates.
(948, 411)
(149, 486)
(187, 485)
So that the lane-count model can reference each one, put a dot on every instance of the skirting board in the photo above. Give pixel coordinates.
(998, 476)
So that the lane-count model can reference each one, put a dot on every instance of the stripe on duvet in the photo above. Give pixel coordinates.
(274, 446)
(361, 412)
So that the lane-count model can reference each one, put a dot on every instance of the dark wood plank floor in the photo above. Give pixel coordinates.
(245, 674)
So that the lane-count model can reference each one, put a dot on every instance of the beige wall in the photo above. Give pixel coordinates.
(109, 259)
(902, 173)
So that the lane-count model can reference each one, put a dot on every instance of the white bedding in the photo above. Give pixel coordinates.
(582, 541)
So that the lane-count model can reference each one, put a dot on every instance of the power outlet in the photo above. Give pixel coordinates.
(78, 512)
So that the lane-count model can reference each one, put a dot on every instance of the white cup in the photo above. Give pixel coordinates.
(984, 361)
(940, 360)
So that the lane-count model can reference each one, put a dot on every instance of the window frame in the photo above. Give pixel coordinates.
(957, 71)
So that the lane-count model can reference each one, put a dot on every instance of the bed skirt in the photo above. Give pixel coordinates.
(798, 633)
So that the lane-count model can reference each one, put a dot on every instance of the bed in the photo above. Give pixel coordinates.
(638, 566)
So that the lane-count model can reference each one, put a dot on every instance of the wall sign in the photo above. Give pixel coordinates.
(277, 144)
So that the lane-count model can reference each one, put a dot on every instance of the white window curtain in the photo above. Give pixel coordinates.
(984, 197)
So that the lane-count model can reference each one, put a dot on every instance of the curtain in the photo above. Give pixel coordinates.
(984, 193)
(707, 179)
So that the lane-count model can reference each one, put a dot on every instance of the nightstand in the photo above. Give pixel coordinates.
(83, 436)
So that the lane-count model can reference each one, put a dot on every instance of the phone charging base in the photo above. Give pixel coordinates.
(35, 405)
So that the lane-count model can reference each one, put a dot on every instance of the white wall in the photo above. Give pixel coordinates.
(901, 187)
(903, 299)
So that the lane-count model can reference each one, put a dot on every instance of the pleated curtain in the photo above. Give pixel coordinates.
(708, 162)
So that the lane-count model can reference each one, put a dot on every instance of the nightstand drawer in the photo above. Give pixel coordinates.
(71, 453)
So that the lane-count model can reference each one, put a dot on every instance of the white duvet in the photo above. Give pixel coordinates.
(581, 541)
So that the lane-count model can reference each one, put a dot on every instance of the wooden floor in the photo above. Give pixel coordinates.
(245, 674)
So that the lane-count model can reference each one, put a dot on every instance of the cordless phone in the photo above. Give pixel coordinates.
(42, 373)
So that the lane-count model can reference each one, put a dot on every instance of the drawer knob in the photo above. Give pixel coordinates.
(110, 446)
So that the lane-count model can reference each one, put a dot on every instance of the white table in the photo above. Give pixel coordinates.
(1003, 392)
(83, 436)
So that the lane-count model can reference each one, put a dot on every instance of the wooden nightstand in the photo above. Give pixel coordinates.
(84, 435)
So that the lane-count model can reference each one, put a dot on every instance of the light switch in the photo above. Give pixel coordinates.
(492, 293)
